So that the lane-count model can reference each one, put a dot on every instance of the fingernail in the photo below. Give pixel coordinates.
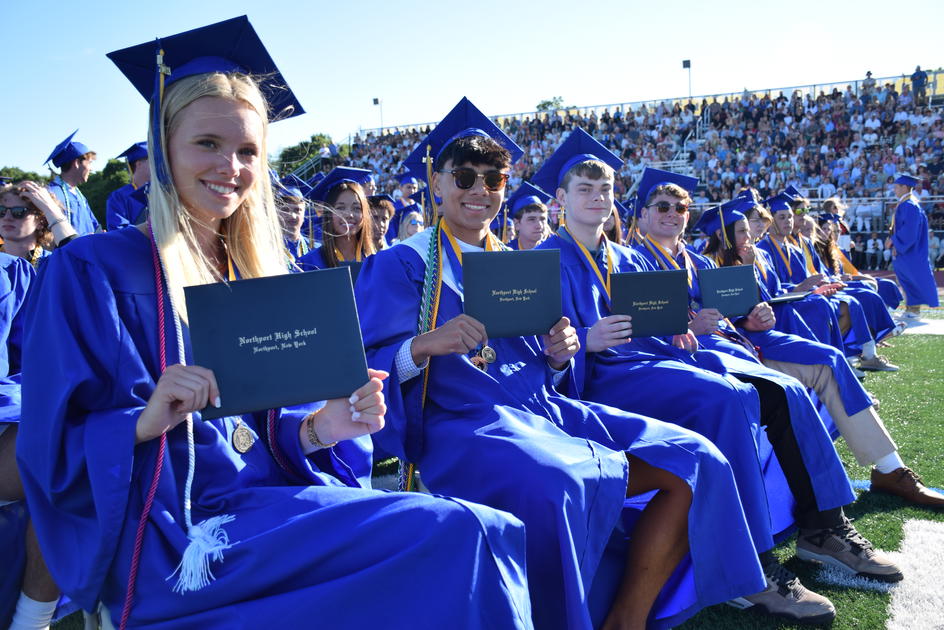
(356, 416)
(352, 408)
(217, 402)
(353, 399)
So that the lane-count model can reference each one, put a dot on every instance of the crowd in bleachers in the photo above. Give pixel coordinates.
(844, 144)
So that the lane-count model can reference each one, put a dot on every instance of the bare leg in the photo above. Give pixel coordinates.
(11, 488)
(659, 542)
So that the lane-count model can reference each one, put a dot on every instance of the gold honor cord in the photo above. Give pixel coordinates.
(807, 255)
(649, 242)
(605, 283)
(759, 263)
(785, 258)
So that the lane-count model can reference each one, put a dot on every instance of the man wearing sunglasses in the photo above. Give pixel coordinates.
(74, 160)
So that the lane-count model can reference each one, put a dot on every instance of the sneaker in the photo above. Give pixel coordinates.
(785, 597)
(905, 483)
(910, 315)
(847, 550)
(878, 363)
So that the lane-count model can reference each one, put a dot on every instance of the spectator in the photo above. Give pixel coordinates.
(919, 85)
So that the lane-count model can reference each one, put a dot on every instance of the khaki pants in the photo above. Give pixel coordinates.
(865, 433)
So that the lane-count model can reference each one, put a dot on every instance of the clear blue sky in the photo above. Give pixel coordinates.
(421, 57)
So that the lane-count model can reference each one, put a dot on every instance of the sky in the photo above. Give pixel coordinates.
(420, 58)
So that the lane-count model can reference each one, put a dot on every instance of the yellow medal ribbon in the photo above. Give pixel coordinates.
(785, 258)
(492, 244)
(808, 255)
(847, 266)
(604, 282)
(759, 263)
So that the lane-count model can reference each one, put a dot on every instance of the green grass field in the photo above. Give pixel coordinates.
(912, 405)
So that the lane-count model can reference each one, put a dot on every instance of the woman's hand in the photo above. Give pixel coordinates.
(705, 321)
(608, 332)
(346, 418)
(459, 335)
(181, 390)
(560, 344)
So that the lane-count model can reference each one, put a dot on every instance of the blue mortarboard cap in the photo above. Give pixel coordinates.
(294, 186)
(464, 120)
(829, 217)
(792, 193)
(622, 210)
(579, 147)
(653, 178)
(316, 179)
(778, 202)
(525, 195)
(407, 178)
(421, 196)
(5, 180)
(713, 219)
(374, 198)
(228, 46)
(336, 176)
(137, 151)
(907, 180)
(66, 151)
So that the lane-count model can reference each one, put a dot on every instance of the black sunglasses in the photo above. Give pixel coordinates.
(465, 178)
(17, 212)
(665, 206)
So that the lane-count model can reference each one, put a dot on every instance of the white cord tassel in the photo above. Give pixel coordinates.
(208, 539)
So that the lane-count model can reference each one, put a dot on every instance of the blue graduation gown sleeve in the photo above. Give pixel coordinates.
(312, 260)
(122, 208)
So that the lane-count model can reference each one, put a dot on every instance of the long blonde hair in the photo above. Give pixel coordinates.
(252, 235)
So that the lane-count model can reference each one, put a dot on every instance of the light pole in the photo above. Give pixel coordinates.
(379, 101)
(687, 64)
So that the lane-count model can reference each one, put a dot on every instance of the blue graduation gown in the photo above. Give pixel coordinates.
(825, 469)
(313, 260)
(534, 446)
(309, 540)
(124, 208)
(76, 206)
(651, 376)
(910, 238)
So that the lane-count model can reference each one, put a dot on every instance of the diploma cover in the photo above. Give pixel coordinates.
(513, 293)
(731, 290)
(278, 341)
(656, 300)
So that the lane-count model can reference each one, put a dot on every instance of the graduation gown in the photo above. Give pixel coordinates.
(910, 239)
(556, 463)
(76, 206)
(825, 469)
(124, 208)
(309, 540)
(651, 376)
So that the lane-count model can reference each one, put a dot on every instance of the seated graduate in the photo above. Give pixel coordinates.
(820, 367)
(527, 206)
(241, 521)
(411, 223)
(291, 206)
(652, 376)
(836, 262)
(381, 213)
(346, 226)
(812, 316)
(122, 208)
(74, 161)
(32, 223)
(797, 272)
(408, 186)
(826, 535)
(28, 594)
(564, 467)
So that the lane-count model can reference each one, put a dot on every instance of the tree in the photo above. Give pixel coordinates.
(18, 175)
(294, 156)
(102, 183)
(553, 104)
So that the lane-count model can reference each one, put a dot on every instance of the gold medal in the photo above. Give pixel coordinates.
(243, 438)
(488, 353)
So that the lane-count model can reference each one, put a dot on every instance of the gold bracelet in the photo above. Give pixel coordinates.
(313, 435)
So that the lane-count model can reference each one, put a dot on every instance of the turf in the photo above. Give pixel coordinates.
(912, 404)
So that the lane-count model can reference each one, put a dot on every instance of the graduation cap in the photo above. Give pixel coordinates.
(579, 147)
(5, 180)
(907, 180)
(338, 175)
(315, 179)
(526, 195)
(652, 178)
(66, 151)
(384, 197)
(462, 121)
(622, 210)
(777, 203)
(829, 217)
(715, 219)
(228, 46)
(137, 151)
(407, 178)
(792, 193)
(293, 186)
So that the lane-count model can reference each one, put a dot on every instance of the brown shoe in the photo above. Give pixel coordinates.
(906, 484)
